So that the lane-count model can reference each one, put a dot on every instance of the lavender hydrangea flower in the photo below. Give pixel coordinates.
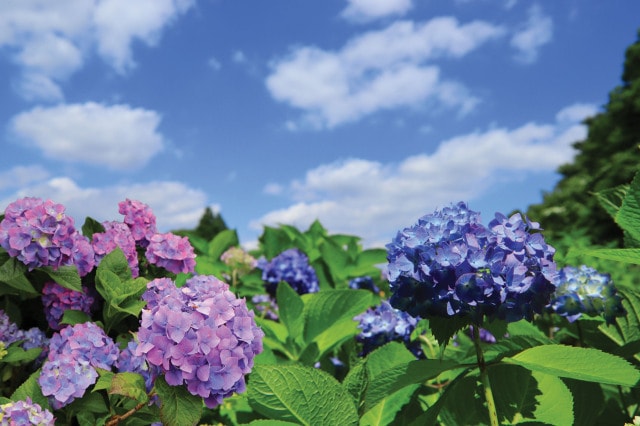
(383, 324)
(74, 354)
(291, 266)
(117, 234)
(128, 362)
(140, 219)
(364, 283)
(82, 254)
(199, 335)
(171, 252)
(32, 338)
(584, 290)
(9, 331)
(449, 264)
(38, 233)
(25, 412)
(57, 299)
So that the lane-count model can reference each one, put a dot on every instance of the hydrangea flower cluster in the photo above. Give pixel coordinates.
(9, 331)
(291, 266)
(25, 412)
(117, 234)
(31, 338)
(172, 252)
(364, 283)
(140, 219)
(239, 260)
(39, 233)
(266, 306)
(199, 335)
(74, 354)
(57, 299)
(584, 290)
(449, 264)
(384, 324)
(128, 362)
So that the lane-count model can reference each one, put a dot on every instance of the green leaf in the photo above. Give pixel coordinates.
(295, 393)
(15, 354)
(263, 422)
(611, 199)
(177, 406)
(116, 262)
(628, 216)
(522, 394)
(130, 385)
(90, 227)
(356, 382)
(578, 363)
(12, 273)
(30, 388)
(626, 255)
(291, 310)
(221, 242)
(72, 317)
(588, 401)
(66, 276)
(443, 329)
(273, 241)
(386, 410)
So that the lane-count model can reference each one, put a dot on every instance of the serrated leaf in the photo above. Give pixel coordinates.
(386, 410)
(116, 262)
(578, 363)
(588, 401)
(72, 317)
(626, 255)
(91, 226)
(12, 273)
(30, 388)
(263, 422)
(221, 242)
(130, 385)
(177, 406)
(522, 394)
(443, 329)
(273, 241)
(356, 381)
(611, 199)
(291, 310)
(295, 393)
(66, 276)
(628, 216)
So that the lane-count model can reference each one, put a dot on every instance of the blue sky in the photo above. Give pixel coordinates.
(364, 114)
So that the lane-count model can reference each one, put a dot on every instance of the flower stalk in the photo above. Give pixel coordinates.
(484, 377)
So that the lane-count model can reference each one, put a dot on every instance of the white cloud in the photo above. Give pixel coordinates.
(378, 70)
(368, 10)
(537, 32)
(576, 112)
(372, 199)
(19, 176)
(174, 204)
(50, 40)
(117, 137)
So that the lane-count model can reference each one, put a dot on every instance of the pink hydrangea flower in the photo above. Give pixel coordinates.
(140, 219)
(172, 252)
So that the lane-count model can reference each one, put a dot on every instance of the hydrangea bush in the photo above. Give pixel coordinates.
(454, 322)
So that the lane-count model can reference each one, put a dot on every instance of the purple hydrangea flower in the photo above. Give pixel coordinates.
(57, 299)
(38, 233)
(74, 354)
(449, 264)
(199, 335)
(584, 290)
(9, 331)
(25, 412)
(36, 338)
(291, 266)
(364, 283)
(172, 252)
(128, 362)
(117, 234)
(83, 255)
(140, 219)
(266, 306)
(383, 324)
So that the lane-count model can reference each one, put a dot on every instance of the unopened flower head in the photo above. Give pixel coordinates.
(584, 290)
(384, 324)
(25, 412)
(171, 252)
(57, 299)
(140, 219)
(291, 266)
(74, 354)
(38, 233)
(116, 234)
(199, 335)
(449, 264)
(239, 260)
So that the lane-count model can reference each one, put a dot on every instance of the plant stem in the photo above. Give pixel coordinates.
(484, 376)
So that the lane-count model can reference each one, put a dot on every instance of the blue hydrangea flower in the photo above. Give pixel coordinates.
(25, 412)
(584, 290)
(291, 266)
(199, 335)
(449, 264)
(364, 283)
(384, 324)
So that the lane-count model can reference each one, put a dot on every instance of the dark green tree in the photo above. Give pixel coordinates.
(608, 157)
(210, 225)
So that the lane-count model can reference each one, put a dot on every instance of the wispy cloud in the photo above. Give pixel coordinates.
(19, 176)
(372, 199)
(50, 41)
(378, 70)
(368, 10)
(117, 137)
(537, 32)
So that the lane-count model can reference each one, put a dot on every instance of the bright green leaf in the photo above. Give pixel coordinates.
(177, 406)
(72, 317)
(578, 363)
(66, 276)
(221, 242)
(90, 227)
(291, 310)
(628, 216)
(130, 385)
(30, 388)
